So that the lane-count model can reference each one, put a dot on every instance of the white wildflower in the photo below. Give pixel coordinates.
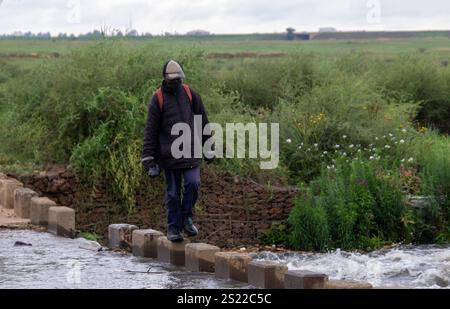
(289, 141)
(402, 141)
(411, 160)
(387, 147)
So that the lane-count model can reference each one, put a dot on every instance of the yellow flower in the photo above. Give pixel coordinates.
(423, 130)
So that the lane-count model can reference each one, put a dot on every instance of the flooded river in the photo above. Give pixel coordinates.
(54, 262)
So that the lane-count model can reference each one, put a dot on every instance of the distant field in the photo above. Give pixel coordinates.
(30, 51)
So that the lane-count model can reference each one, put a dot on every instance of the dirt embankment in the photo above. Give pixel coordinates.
(18, 55)
(244, 55)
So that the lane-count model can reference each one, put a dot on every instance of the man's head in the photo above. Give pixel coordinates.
(173, 71)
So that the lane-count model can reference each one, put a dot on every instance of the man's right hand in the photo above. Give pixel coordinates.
(152, 168)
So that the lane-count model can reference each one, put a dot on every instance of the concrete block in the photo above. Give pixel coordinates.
(22, 202)
(145, 243)
(120, 236)
(347, 285)
(266, 274)
(232, 266)
(172, 252)
(7, 188)
(61, 221)
(200, 257)
(300, 279)
(39, 207)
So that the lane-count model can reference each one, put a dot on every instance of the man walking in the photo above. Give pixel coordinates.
(174, 103)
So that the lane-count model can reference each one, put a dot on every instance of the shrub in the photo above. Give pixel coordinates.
(352, 206)
(432, 153)
(309, 225)
(278, 234)
(420, 80)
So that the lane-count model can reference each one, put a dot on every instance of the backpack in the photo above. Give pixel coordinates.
(160, 97)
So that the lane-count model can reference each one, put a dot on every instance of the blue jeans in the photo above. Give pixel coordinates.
(178, 210)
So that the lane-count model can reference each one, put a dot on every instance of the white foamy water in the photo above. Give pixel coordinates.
(406, 266)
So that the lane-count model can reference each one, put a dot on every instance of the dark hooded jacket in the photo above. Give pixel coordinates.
(177, 108)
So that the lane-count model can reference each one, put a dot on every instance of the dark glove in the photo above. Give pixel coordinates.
(152, 168)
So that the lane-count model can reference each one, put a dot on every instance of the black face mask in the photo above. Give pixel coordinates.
(173, 85)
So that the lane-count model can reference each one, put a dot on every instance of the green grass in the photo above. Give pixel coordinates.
(437, 48)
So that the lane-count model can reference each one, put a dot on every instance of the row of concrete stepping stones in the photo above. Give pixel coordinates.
(40, 211)
(201, 257)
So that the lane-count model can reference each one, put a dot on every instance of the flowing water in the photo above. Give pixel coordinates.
(401, 267)
(54, 262)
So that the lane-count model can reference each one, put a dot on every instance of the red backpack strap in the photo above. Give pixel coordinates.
(160, 97)
(188, 92)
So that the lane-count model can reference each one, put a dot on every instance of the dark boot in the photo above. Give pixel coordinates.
(189, 228)
(174, 235)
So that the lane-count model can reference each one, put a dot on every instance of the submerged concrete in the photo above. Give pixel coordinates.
(61, 221)
(22, 202)
(266, 274)
(120, 236)
(7, 188)
(172, 252)
(145, 243)
(39, 208)
(200, 257)
(232, 266)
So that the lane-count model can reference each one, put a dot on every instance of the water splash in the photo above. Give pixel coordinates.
(406, 266)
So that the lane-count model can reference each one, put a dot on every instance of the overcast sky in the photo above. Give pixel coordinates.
(221, 16)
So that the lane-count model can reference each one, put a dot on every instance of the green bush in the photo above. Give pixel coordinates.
(432, 153)
(351, 206)
(89, 108)
(309, 225)
(423, 81)
(278, 234)
(255, 82)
